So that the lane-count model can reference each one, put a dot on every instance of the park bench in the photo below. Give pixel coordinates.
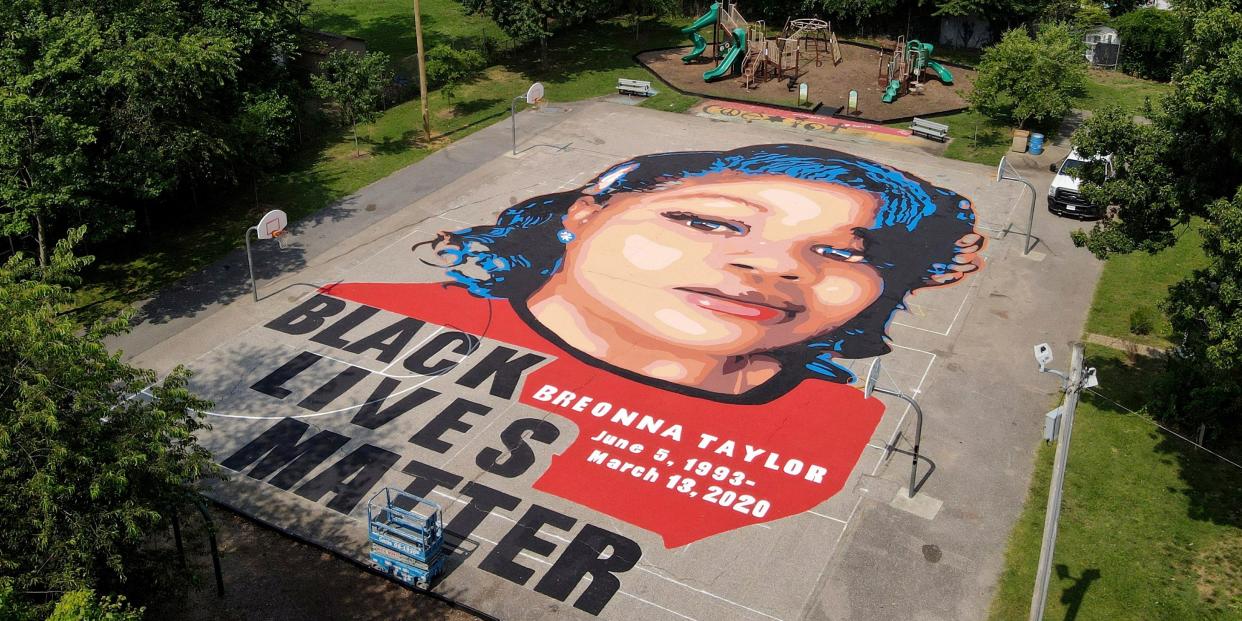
(929, 129)
(641, 88)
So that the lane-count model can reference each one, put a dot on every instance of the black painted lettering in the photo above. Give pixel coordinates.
(278, 448)
(524, 537)
(307, 316)
(350, 478)
(517, 456)
(448, 419)
(483, 500)
(374, 415)
(427, 478)
(273, 384)
(419, 361)
(334, 388)
(331, 335)
(594, 551)
(501, 365)
(389, 341)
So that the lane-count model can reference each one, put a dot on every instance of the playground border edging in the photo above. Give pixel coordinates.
(636, 59)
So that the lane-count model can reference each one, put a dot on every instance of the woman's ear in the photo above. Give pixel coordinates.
(581, 212)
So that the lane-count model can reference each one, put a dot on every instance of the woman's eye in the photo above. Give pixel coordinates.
(841, 254)
(705, 224)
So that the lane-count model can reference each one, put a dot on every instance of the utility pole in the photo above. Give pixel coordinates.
(422, 70)
(1073, 385)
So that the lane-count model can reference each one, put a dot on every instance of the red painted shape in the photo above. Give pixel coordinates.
(816, 423)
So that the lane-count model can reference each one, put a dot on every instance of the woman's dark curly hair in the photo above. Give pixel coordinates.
(522, 250)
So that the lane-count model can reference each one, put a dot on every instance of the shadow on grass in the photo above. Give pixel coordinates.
(1072, 597)
(1211, 484)
(592, 48)
(466, 108)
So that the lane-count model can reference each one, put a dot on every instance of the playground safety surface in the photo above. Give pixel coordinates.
(825, 83)
(296, 380)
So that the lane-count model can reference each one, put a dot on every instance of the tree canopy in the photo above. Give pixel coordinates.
(1023, 79)
(90, 464)
(1185, 165)
(1151, 42)
(107, 105)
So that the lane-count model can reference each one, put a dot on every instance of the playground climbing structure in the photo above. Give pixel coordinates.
(901, 71)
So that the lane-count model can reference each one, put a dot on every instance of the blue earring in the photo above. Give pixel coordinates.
(565, 236)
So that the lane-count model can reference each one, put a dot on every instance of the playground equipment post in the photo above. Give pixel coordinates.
(422, 70)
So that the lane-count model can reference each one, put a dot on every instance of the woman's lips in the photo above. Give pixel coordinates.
(729, 305)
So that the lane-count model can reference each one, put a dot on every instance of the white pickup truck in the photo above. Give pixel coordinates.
(1063, 196)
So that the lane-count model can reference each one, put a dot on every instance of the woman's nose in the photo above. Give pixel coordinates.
(778, 264)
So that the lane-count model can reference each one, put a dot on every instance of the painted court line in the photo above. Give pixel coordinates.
(951, 323)
(829, 517)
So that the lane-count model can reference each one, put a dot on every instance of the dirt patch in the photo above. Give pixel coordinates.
(829, 84)
(1219, 568)
(268, 576)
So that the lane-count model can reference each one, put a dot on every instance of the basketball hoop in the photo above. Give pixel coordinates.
(283, 238)
(271, 226)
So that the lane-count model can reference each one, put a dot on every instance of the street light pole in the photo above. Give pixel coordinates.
(1073, 385)
(422, 70)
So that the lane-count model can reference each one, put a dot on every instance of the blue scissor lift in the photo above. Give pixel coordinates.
(407, 536)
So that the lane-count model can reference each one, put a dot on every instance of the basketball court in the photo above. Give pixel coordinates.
(343, 380)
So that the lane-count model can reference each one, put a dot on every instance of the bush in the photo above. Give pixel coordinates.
(1142, 320)
(449, 65)
(1151, 43)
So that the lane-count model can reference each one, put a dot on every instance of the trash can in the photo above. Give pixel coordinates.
(1036, 145)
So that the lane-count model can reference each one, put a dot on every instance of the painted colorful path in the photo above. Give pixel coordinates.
(811, 123)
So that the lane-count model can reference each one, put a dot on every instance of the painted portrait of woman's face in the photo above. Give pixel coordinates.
(721, 270)
(726, 263)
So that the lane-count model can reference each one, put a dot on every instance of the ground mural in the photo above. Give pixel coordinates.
(662, 347)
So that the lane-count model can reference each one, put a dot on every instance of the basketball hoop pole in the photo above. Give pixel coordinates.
(513, 119)
(870, 386)
(918, 438)
(254, 288)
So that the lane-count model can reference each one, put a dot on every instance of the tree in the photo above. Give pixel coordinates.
(109, 107)
(1151, 42)
(1022, 79)
(530, 20)
(82, 605)
(89, 468)
(448, 67)
(354, 85)
(1185, 164)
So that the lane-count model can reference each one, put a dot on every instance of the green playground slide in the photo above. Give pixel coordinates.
(944, 74)
(731, 57)
(700, 44)
(890, 93)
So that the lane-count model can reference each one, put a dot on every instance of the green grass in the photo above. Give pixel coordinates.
(582, 63)
(1114, 88)
(974, 137)
(1140, 279)
(1150, 528)
(388, 25)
